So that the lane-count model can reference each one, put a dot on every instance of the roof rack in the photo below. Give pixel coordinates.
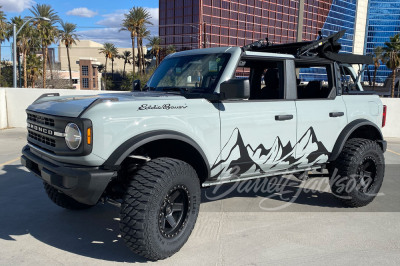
(327, 47)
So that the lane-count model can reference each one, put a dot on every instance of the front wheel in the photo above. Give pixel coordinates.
(160, 208)
(360, 171)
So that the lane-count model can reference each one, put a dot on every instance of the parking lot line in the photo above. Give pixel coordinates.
(393, 152)
(9, 162)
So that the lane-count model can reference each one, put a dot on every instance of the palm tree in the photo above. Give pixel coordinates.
(137, 17)
(69, 37)
(378, 52)
(114, 54)
(170, 49)
(141, 34)
(392, 57)
(33, 68)
(154, 43)
(28, 37)
(108, 50)
(4, 26)
(126, 56)
(46, 29)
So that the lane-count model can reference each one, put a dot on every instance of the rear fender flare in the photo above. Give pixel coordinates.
(346, 133)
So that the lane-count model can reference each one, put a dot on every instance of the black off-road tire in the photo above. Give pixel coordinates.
(146, 201)
(357, 174)
(64, 200)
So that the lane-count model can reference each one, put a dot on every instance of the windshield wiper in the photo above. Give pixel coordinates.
(181, 89)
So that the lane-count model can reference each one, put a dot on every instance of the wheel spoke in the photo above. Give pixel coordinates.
(173, 197)
(367, 174)
(177, 207)
(171, 220)
(366, 164)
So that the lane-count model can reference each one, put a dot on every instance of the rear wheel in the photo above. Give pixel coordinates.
(63, 200)
(160, 208)
(360, 171)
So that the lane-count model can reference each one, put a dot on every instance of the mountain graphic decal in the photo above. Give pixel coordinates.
(237, 158)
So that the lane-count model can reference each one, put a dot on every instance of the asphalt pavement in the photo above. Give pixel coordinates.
(271, 221)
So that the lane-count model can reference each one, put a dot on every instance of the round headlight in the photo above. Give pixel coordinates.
(73, 136)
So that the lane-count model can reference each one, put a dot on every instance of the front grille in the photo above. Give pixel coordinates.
(41, 120)
(42, 139)
(46, 132)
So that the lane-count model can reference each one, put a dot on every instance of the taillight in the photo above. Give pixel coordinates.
(384, 116)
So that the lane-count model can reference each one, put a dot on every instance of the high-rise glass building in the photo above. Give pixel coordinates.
(383, 22)
(190, 24)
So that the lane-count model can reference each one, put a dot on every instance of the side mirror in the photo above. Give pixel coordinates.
(136, 85)
(235, 89)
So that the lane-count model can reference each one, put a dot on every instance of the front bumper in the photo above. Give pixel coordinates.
(84, 184)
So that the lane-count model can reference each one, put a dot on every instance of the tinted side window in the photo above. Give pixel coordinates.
(266, 79)
(314, 82)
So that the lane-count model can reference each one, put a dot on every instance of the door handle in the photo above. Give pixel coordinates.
(336, 114)
(283, 117)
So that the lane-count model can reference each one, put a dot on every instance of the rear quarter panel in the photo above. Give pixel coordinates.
(367, 107)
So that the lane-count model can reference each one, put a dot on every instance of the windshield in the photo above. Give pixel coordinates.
(191, 73)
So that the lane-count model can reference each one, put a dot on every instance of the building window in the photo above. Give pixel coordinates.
(74, 81)
(85, 83)
(94, 83)
(94, 71)
(85, 70)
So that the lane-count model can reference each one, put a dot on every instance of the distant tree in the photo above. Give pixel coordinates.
(27, 40)
(4, 29)
(392, 57)
(170, 49)
(108, 50)
(34, 68)
(6, 80)
(378, 52)
(114, 54)
(68, 37)
(143, 33)
(47, 31)
(154, 43)
(134, 20)
(127, 57)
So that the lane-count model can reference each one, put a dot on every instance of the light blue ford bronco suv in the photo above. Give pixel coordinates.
(209, 117)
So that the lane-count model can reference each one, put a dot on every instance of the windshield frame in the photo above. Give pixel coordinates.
(211, 89)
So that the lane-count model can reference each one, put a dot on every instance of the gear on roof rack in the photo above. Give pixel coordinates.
(327, 47)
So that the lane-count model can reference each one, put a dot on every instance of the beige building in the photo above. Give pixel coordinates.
(90, 49)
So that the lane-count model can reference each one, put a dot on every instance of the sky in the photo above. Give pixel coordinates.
(97, 20)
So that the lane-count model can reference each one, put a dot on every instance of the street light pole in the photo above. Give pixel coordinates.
(15, 34)
(14, 55)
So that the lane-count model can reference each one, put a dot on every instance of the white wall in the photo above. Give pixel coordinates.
(3, 109)
(13, 103)
(17, 100)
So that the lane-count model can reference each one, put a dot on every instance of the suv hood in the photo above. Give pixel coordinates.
(73, 106)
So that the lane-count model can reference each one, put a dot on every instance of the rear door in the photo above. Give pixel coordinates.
(257, 134)
(321, 112)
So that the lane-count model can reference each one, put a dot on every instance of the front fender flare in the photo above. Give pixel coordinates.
(123, 151)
